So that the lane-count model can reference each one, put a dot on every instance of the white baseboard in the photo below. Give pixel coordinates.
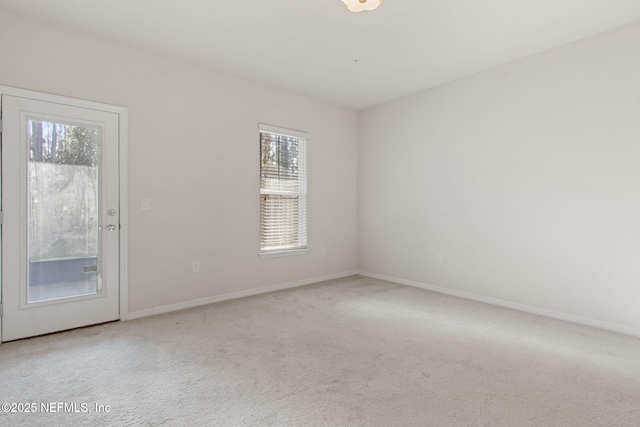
(627, 330)
(233, 295)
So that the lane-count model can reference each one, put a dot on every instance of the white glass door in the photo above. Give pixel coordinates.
(60, 231)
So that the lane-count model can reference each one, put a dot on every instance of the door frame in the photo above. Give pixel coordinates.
(122, 113)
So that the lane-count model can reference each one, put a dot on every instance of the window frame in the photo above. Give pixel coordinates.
(302, 192)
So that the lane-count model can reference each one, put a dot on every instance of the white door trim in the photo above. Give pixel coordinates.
(122, 113)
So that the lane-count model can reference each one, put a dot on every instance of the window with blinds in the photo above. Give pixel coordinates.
(283, 190)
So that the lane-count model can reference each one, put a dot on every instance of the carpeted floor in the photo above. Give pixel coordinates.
(348, 352)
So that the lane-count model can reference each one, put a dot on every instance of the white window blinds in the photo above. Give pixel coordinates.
(283, 190)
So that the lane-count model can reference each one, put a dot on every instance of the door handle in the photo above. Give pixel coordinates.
(90, 268)
(109, 227)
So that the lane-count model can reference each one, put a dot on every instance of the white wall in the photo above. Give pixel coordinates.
(193, 150)
(525, 177)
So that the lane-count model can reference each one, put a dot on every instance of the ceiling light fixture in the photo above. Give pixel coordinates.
(360, 5)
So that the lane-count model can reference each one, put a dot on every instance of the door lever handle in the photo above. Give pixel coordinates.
(109, 227)
(90, 268)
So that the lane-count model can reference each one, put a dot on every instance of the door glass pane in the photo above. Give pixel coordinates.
(62, 210)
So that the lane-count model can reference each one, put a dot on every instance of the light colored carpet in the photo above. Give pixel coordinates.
(348, 352)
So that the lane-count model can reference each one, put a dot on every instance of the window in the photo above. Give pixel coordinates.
(283, 191)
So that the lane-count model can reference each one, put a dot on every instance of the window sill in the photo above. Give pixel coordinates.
(289, 252)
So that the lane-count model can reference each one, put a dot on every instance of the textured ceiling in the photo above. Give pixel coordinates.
(311, 46)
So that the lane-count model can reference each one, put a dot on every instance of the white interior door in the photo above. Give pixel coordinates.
(60, 230)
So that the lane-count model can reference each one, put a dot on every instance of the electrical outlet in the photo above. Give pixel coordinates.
(324, 251)
(145, 204)
(195, 267)
(439, 259)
